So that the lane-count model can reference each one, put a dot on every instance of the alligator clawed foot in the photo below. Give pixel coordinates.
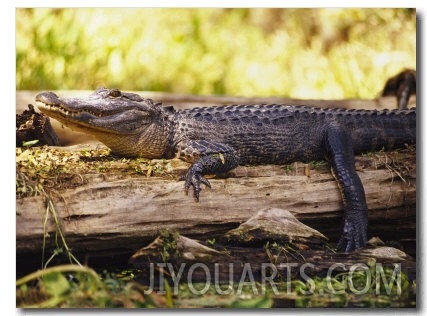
(194, 179)
(353, 237)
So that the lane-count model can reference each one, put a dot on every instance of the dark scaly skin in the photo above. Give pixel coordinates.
(217, 139)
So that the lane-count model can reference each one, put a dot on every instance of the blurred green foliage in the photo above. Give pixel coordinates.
(301, 53)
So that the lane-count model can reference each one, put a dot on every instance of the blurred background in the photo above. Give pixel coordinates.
(296, 53)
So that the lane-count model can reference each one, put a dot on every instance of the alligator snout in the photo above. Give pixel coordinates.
(47, 98)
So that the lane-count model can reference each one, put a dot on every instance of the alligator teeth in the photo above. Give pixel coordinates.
(69, 112)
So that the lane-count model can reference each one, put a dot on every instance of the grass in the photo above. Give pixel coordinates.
(46, 169)
(301, 53)
(77, 286)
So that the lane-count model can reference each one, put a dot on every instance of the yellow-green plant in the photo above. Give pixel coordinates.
(302, 53)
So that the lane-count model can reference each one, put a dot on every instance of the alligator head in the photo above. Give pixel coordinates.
(123, 121)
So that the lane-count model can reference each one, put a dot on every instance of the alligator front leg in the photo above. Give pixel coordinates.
(207, 158)
(339, 151)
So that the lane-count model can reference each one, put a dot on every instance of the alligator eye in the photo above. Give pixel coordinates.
(114, 93)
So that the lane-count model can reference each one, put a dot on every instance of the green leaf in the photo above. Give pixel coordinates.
(55, 284)
(30, 143)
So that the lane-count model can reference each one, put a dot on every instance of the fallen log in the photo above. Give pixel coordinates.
(106, 213)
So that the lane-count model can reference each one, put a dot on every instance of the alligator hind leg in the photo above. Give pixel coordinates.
(339, 152)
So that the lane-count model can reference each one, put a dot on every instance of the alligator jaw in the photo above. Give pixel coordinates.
(50, 103)
(76, 120)
(85, 115)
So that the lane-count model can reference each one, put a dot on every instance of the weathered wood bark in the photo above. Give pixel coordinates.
(33, 126)
(110, 215)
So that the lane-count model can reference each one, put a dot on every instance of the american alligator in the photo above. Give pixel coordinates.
(217, 139)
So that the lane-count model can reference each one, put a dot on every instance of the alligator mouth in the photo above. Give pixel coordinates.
(88, 118)
(64, 110)
(49, 103)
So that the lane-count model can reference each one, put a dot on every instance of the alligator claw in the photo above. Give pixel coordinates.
(353, 237)
(194, 179)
